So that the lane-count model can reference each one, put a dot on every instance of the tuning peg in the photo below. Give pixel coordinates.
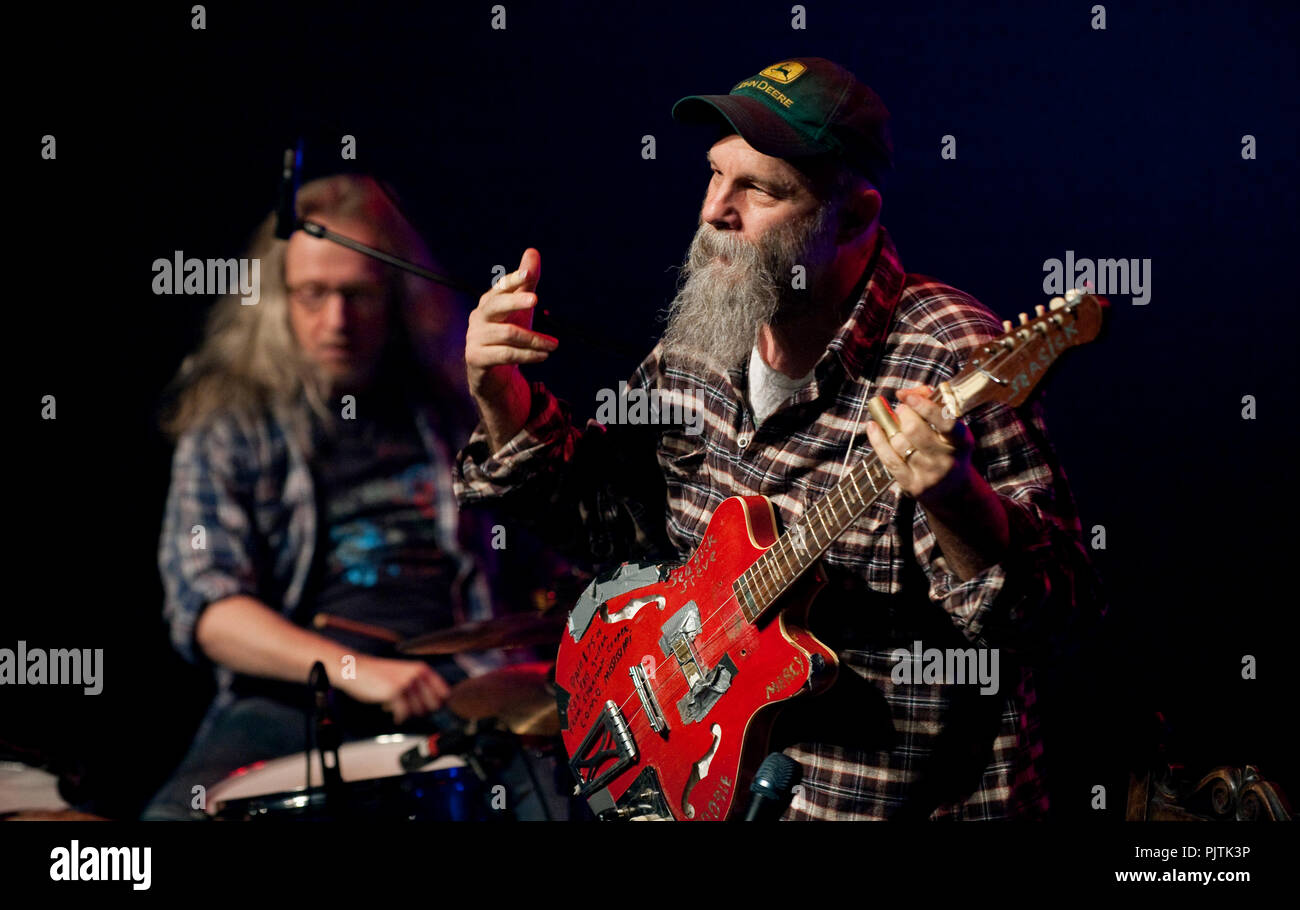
(1024, 317)
(1056, 303)
(1039, 310)
(1073, 295)
(1006, 325)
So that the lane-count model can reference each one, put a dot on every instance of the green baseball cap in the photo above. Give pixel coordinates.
(805, 107)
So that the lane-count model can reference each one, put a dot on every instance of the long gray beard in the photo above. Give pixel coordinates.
(729, 288)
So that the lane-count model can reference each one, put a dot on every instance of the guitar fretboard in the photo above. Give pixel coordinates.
(1006, 369)
(806, 540)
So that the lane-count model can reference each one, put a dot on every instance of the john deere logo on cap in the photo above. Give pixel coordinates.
(784, 72)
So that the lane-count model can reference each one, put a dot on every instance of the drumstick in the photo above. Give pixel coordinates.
(326, 621)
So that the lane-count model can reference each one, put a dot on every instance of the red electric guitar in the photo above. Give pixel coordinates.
(669, 677)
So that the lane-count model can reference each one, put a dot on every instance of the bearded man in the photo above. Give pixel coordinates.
(793, 310)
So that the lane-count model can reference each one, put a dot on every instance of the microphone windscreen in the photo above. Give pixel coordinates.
(776, 775)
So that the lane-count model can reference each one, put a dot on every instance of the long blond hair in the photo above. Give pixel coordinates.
(250, 363)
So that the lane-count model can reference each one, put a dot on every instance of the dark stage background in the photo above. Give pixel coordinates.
(1124, 142)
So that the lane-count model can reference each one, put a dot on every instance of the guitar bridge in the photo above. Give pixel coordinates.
(605, 752)
(648, 700)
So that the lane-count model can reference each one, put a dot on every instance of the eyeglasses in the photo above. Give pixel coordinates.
(313, 295)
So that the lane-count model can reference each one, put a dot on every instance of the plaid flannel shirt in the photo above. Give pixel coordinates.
(248, 486)
(623, 492)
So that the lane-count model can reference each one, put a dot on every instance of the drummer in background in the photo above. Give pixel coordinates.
(310, 515)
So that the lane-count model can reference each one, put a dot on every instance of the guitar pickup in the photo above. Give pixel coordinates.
(648, 701)
(704, 685)
(701, 697)
(605, 752)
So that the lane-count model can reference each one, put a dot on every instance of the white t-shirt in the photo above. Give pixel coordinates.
(769, 388)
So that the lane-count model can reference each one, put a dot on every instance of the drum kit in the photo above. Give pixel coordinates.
(376, 785)
(502, 750)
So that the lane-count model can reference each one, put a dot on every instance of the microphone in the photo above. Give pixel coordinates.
(286, 211)
(454, 737)
(771, 787)
(286, 222)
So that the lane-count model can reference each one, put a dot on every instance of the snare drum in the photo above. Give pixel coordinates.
(375, 786)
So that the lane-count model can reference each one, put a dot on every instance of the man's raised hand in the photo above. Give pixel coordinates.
(498, 340)
(500, 332)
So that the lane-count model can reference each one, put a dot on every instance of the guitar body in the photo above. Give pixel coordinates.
(668, 678)
(669, 647)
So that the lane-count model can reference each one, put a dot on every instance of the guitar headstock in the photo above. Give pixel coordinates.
(1008, 368)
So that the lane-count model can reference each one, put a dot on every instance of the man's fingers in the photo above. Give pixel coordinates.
(397, 708)
(925, 421)
(530, 267)
(931, 412)
(496, 307)
(421, 700)
(496, 355)
(511, 335)
(410, 699)
(423, 690)
(916, 425)
(507, 283)
(526, 276)
(885, 448)
(511, 281)
(414, 701)
(440, 687)
(434, 696)
(902, 446)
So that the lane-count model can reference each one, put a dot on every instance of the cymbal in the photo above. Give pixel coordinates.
(520, 630)
(521, 697)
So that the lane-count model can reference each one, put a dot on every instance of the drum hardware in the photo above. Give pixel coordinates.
(324, 737)
(491, 723)
(374, 787)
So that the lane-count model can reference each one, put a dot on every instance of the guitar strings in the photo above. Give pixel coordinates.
(639, 725)
(677, 686)
(724, 622)
(781, 546)
(671, 690)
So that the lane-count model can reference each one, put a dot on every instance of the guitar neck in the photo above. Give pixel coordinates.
(1005, 369)
(804, 542)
